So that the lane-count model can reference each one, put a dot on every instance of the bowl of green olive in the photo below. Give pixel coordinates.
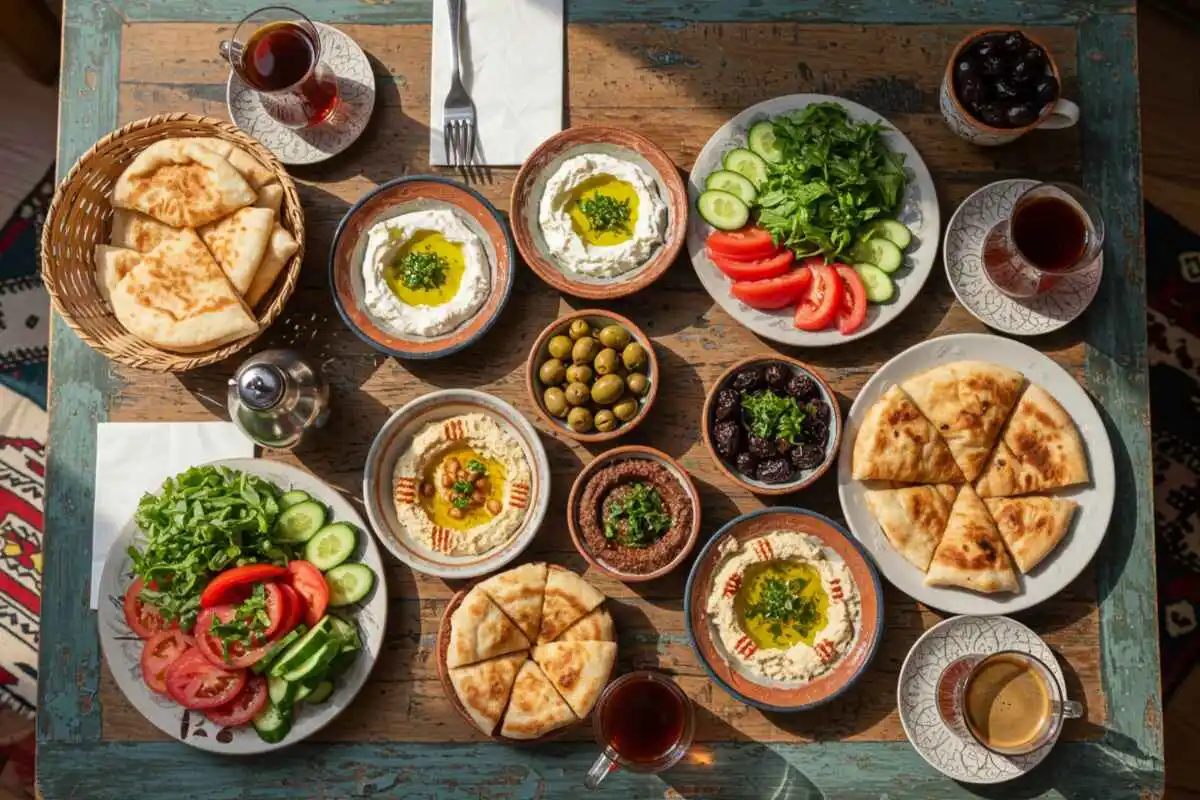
(592, 375)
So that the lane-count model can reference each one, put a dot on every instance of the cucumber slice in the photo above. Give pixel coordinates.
(330, 546)
(723, 210)
(341, 662)
(761, 139)
(737, 185)
(273, 723)
(879, 286)
(294, 497)
(281, 692)
(315, 665)
(298, 523)
(880, 252)
(346, 632)
(278, 649)
(303, 649)
(349, 583)
(747, 163)
(320, 693)
(892, 230)
(303, 690)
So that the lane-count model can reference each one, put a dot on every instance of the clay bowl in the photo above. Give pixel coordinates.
(619, 143)
(764, 693)
(540, 352)
(631, 453)
(805, 478)
(402, 196)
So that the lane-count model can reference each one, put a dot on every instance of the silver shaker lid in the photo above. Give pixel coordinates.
(261, 386)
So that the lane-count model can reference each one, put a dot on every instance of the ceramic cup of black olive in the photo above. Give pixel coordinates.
(1001, 84)
(772, 424)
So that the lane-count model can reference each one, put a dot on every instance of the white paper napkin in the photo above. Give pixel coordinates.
(133, 458)
(512, 66)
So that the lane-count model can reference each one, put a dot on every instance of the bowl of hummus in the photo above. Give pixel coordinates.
(783, 608)
(456, 483)
(599, 212)
(421, 267)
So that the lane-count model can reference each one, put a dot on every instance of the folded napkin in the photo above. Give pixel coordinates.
(133, 458)
(512, 66)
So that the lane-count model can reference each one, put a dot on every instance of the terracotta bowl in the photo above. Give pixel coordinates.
(402, 196)
(755, 690)
(618, 143)
(540, 352)
(632, 453)
(831, 446)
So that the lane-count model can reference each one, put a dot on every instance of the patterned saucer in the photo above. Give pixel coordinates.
(916, 695)
(356, 92)
(964, 267)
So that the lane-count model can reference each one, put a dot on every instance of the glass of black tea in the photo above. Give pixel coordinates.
(1055, 229)
(644, 722)
(277, 51)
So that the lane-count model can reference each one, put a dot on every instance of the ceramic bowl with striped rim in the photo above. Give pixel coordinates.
(404, 196)
(751, 688)
(397, 435)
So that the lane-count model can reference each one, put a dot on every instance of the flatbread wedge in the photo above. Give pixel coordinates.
(181, 184)
(255, 173)
(968, 402)
(270, 196)
(484, 688)
(1041, 450)
(281, 247)
(568, 597)
(971, 554)
(578, 670)
(913, 518)
(594, 627)
(479, 631)
(519, 594)
(113, 264)
(238, 242)
(1031, 526)
(137, 231)
(897, 443)
(536, 708)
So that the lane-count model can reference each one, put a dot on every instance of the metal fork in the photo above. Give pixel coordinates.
(458, 113)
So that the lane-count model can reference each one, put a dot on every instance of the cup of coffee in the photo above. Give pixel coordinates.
(1009, 702)
(1000, 85)
(644, 722)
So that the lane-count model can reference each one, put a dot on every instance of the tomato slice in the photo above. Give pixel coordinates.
(853, 311)
(233, 585)
(277, 608)
(195, 683)
(769, 267)
(310, 584)
(143, 618)
(747, 244)
(159, 653)
(246, 706)
(295, 609)
(210, 646)
(822, 301)
(774, 293)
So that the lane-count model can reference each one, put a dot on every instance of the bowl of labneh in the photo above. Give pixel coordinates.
(634, 513)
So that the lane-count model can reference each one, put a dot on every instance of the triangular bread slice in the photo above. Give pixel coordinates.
(254, 172)
(578, 670)
(479, 630)
(913, 518)
(594, 627)
(520, 593)
(270, 196)
(483, 688)
(181, 184)
(238, 242)
(1042, 450)
(568, 597)
(138, 231)
(897, 443)
(1031, 526)
(536, 707)
(280, 249)
(971, 554)
(113, 264)
(968, 402)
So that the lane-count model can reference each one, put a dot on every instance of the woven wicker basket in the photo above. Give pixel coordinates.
(79, 218)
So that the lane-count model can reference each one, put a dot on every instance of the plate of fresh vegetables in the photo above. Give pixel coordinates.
(816, 222)
(243, 606)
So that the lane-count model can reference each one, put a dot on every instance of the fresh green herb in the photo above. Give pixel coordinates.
(476, 467)
(781, 603)
(773, 417)
(461, 501)
(835, 175)
(605, 213)
(462, 487)
(638, 519)
(246, 627)
(423, 270)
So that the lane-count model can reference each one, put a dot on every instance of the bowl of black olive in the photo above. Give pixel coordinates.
(772, 424)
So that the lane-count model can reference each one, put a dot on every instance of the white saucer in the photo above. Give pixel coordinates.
(916, 692)
(356, 93)
(964, 267)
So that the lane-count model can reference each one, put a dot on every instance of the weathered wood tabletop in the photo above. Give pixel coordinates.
(675, 72)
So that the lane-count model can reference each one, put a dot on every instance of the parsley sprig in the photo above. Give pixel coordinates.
(423, 270)
(782, 604)
(773, 417)
(641, 510)
(246, 627)
(605, 213)
(476, 466)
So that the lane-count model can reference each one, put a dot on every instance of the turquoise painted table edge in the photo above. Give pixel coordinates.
(74, 762)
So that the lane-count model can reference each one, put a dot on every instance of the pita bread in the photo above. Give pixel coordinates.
(270, 196)
(113, 264)
(967, 402)
(137, 231)
(280, 248)
(897, 443)
(479, 630)
(182, 185)
(519, 593)
(1042, 450)
(535, 708)
(176, 297)
(913, 518)
(594, 627)
(578, 670)
(484, 688)
(254, 172)
(568, 597)
(1031, 526)
(238, 243)
(218, 146)
(971, 554)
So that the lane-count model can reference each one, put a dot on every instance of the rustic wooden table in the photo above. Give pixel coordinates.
(674, 72)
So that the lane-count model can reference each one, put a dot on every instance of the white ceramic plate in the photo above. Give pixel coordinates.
(918, 210)
(123, 649)
(1095, 498)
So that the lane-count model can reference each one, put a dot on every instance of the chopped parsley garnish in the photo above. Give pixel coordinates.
(781, 603)
(462, 487)
(606, 214)
(246, 627)
(423, 270)
(461, 501)
(773, 417)
(476, 466)
(641, 511)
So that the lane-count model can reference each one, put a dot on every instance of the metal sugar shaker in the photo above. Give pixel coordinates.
(275, 397)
